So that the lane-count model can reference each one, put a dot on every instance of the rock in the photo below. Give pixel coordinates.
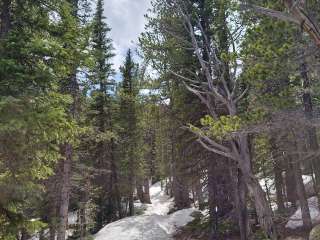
(294, 238)
(315, 233)
(310, 191)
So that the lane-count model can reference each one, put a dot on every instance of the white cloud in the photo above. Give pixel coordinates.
(126, 18)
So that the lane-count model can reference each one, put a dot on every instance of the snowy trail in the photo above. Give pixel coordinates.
(154, 224)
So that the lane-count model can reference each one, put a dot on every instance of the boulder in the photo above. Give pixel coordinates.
(294, 238)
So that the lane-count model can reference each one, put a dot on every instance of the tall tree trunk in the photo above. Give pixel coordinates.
(5, 22)
(240, 199)
(279, 186)
(52, 185)
(220, 186)
(277, 169)
(306, 218)
(140, 192)
(82, 221)
(180, 192)
(84, 199)
(131, 187)
(199, 193)
(212, 185)
(262, 206)
(65, 192)
(180, 189)
(308, 109)
(179, 182)
(52, 231)
(146, 189)
(115, 185)
(291, 186)
(71, 87)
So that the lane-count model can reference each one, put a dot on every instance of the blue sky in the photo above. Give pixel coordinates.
(126, 18)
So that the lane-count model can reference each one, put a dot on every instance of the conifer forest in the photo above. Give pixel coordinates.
(204, 127)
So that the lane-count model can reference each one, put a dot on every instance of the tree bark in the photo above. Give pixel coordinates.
(82, 221)
(306, 218)
(220, 186)
(140, 192)
(131, 202)
(146, 189)
(52, 185)
(291, 186)
(240, 195)
(180, 190)
(279, 186)
(199, 193)
(65, 192)
(262, 206)
(131, 184)
(301, 192)
(308, 109)
(212, 198)
(5, 22)
(115, 181)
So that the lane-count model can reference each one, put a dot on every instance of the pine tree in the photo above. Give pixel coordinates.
(106, 181)
(34, 113)
(128, 118)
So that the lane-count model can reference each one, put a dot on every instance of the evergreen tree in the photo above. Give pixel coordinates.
(107, 200)
(38, 122)
(128, 124)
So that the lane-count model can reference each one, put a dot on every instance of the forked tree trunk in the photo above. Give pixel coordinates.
(143, 191)
(262, 206)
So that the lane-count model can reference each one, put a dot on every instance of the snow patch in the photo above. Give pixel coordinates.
(269, 183)
(154, 224)
(295, 221)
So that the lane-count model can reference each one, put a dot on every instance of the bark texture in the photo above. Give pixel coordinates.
(5, 22)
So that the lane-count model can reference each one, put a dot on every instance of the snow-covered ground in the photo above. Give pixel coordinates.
(269, 183)
(295, 220)
(153, 224)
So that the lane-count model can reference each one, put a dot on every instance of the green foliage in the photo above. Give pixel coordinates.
(315, 233)
(268, 68)
(31, 131)
(260, 235)
(38, 55)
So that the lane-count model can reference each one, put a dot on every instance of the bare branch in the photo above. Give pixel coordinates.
(271, 13)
